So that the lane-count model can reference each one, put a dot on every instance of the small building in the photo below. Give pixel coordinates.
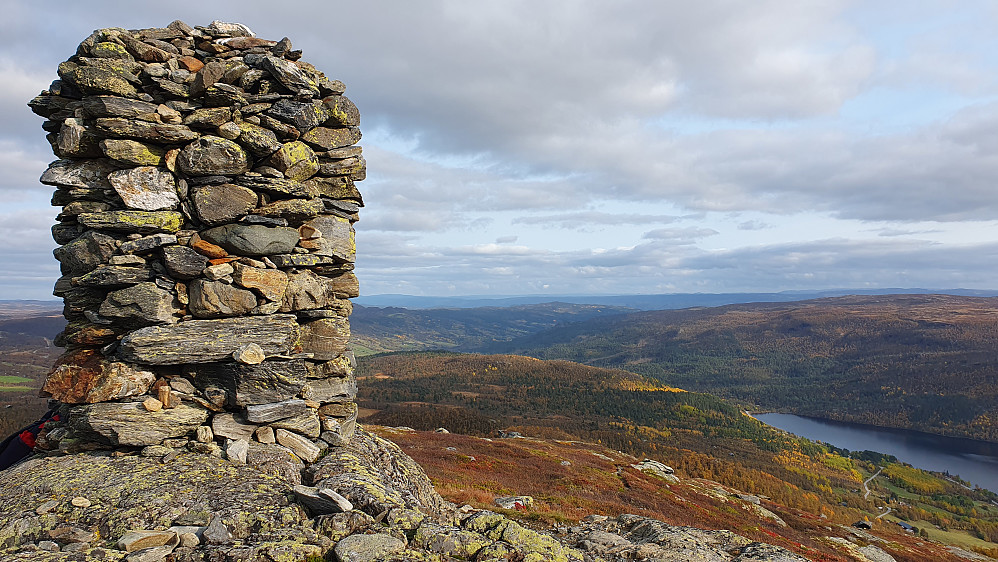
(864, 524)
(906, 526)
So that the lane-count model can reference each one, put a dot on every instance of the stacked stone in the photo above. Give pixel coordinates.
(206, 180)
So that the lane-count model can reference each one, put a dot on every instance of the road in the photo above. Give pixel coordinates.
(870, 479)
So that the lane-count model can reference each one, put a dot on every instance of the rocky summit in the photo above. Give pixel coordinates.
(206, 399)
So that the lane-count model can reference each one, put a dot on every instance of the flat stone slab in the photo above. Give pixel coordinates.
(129, 423)
(263, 413)
(263, 383)
(186, 342)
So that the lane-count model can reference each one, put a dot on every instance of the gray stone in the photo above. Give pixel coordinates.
(253, 239)
(113, 276)
(279, 186)
(217, 204)
(338, 187)
(306, 423)
(324, 138)
(142, 222)
(264, 413)
(213, 299)
(303, 116)
(182, 385)
(114, 106)
(278, 460)
(95, 81)
(264, 383)
(132, 152)
(211, 155)
(129, 424)
(355, 168)
(154, 554)
(367, 548)
(146, 244)
(146, 188)
(75, 140)
(331, 389)
(342, 111)
(217, 532)
(288, 74)
(326, 338)
(166, 133)
(321, 502)
(232, 426)
(209, 74)
(336, 238)
(301, 446)
(185, 343)
(182, 262)
(259, 141)
(86, 252)
(236, 450)
(307, 291)
(301, 260)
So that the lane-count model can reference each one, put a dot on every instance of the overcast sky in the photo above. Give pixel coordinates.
(569, 147)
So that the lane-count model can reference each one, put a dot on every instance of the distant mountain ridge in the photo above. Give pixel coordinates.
(644, 302)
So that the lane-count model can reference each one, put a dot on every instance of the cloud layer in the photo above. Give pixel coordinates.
(634, 146)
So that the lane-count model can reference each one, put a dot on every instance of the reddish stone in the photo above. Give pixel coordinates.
(209, 250)
(84, 376)
(220, 261)
(191, 64)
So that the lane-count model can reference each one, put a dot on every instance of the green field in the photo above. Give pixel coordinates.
(11, 383)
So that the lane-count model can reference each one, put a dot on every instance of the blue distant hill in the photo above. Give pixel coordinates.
(644, 302)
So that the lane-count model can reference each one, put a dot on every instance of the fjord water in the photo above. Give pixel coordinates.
(974, 461)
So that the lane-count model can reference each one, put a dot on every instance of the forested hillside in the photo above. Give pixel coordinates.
(376, 330)
(699, 435)
(910, 361)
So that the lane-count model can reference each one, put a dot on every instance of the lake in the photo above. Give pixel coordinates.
(974, 461)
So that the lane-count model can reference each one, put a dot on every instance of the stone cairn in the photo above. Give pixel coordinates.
(206, 180)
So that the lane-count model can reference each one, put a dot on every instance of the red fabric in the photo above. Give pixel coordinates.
(28, 438)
